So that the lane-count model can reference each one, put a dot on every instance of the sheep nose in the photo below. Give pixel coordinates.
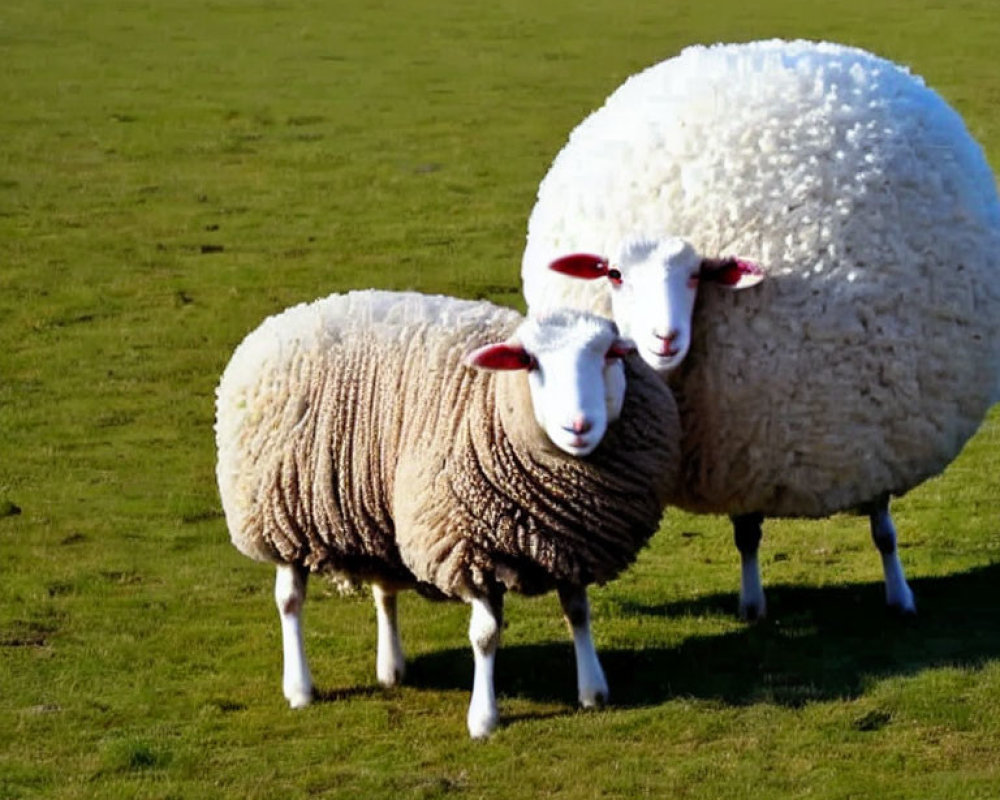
(669, 337)
(580, 424)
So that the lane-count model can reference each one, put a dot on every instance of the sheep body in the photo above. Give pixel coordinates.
(870, 354)
(352, 440)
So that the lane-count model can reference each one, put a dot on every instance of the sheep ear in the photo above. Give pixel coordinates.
(731, 273)
(501, 356)
(581, 265)
(621, 348)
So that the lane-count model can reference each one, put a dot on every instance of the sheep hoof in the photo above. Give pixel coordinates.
(299, 698)
(481, 728)
(595, 700)
(390, 679)
(903, 610)
(751, 612)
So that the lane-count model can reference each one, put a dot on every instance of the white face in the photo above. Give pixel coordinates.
(654, 285)
(653, 299)
(575, 375)
(576, 393)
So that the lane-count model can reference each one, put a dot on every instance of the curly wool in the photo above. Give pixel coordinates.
(352, 440)
(870, 353)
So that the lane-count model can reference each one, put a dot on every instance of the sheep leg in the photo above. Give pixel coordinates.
(897, 592)
(747, 535)
(389, 662)
(484, 634)
(290, 595)
(590, 680)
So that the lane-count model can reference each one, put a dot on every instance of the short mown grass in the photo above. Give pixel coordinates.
(170, 173)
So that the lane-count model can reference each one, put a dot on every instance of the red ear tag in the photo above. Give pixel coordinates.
(500, 357)
(581, 265)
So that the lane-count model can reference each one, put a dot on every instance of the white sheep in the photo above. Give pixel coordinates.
(868, 356)
(358, 437)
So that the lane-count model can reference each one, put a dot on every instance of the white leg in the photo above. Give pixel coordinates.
(484, 634)
(747, 535)
(290, 595)
(389, 661)
(898, 595)
(590, 680)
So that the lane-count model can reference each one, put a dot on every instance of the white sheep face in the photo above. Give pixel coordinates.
(575, 374)
(654, 284)
(652, 298)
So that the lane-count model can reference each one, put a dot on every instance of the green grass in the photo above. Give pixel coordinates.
(173, 171)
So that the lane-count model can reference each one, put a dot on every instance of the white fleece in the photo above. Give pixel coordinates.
(870, 353)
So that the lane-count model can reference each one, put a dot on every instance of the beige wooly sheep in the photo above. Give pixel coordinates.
(856, 199)
(448, 446)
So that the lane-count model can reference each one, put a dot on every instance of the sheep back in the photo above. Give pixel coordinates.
(870, 354)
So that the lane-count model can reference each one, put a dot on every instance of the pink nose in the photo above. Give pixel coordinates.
(580, 424)
(669, 337)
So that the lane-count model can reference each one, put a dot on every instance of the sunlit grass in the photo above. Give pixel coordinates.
(171, 173)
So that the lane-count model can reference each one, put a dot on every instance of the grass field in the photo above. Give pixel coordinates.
(173, 171)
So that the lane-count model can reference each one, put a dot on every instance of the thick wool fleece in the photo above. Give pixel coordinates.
(870, 353)
(352, 439)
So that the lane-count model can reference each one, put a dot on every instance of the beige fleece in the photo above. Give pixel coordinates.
(353, 440)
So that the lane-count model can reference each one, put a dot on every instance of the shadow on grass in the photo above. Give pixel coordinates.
(331, 695)
(818, 644)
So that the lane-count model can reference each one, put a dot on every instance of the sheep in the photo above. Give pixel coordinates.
(857, 201)
(443, 445)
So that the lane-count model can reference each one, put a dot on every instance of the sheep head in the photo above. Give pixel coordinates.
(575, 375)
(654, 284)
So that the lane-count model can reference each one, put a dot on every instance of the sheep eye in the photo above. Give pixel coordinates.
(615, 276)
